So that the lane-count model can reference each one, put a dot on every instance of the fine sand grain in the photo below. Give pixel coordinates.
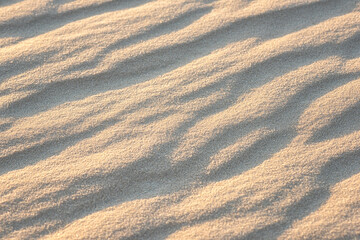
(186, 119)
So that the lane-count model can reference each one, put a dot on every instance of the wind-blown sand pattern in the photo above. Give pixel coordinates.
(228, 119)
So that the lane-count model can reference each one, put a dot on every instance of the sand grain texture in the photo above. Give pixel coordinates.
(180, 119)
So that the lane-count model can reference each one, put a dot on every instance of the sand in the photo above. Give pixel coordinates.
(186, 119)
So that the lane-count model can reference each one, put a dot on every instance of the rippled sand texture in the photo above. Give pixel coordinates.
(184, 119)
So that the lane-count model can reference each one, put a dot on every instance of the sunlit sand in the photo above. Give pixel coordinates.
(186, 119)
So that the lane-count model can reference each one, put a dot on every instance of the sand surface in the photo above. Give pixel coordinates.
(186, 119)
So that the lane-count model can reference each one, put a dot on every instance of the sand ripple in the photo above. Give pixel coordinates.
(179, 119)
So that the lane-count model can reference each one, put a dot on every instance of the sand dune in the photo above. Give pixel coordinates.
(228, 119)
